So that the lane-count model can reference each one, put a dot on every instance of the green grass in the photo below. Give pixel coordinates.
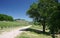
(8, 25)
(11, 24)
(36, 27)
(39, 27)
(31, 34)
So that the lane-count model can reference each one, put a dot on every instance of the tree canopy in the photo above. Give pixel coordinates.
(46, 12)
(4, 17)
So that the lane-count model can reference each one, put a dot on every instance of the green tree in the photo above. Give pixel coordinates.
(4, 17)
(44, 12)
(38, 13)
(54, 19)
(33, 12)
(46, 8)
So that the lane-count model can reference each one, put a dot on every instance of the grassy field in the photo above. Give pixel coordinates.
(29, 34)
(10, 24)
(33, 34)
(6, 25)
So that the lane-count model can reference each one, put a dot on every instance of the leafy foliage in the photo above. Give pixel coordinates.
(4, 17)
(46, 12)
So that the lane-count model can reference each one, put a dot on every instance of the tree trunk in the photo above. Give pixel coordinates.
(43, 26)
(53, 34)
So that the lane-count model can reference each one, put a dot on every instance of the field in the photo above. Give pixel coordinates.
(8, 25)
(34, 33)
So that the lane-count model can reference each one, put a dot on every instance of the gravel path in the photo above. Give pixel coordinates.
(13, 33)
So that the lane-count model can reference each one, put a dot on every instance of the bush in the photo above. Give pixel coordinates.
(4, 17)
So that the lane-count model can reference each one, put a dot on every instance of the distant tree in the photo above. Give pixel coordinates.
(4, 17)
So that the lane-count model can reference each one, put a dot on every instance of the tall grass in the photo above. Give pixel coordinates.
(10, 25)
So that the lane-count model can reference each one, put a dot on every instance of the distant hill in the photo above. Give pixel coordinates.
(23, 21)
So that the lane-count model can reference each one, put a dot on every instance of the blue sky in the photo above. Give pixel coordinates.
(16, 8)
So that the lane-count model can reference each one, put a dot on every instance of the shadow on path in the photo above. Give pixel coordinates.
(36, 31)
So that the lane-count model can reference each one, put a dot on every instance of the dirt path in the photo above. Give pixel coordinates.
(13, 33)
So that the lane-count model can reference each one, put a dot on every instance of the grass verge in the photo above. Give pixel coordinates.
(33, 34)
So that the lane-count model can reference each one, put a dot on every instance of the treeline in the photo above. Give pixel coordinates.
(47, 13)
(4, 17)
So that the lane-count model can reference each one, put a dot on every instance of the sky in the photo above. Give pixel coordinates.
(16, 8)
